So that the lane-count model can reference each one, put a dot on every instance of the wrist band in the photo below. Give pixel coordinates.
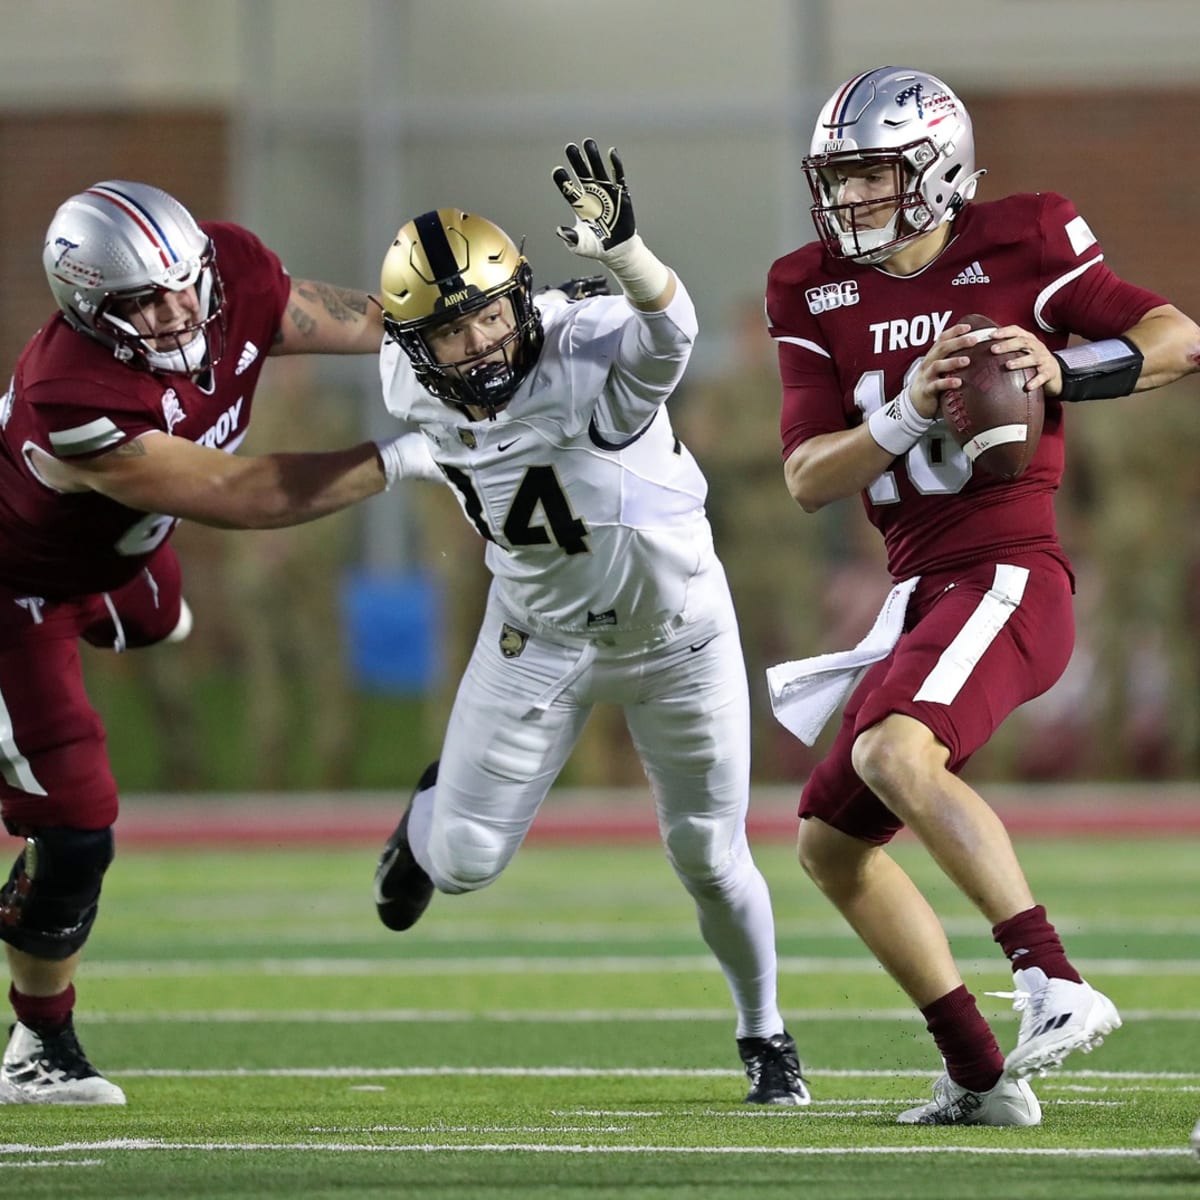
(1099, 370)
(642, 276)
(897, 426)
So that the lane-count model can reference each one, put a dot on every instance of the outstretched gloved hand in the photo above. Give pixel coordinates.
(603, 211)
(605, 229)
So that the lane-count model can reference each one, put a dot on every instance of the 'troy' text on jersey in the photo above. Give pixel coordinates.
(907, 333)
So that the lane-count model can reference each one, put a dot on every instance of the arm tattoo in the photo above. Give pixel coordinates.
(300, 318)
(342, 304)
(134, 448)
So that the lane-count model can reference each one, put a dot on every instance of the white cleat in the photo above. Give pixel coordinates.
(1196, 1140)
(1057, 1017)
(51, 1070)
(1010, 1102)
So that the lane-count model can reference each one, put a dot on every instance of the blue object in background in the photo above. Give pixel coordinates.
(393, 631)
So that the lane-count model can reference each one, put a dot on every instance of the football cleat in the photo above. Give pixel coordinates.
(1010, 1102)
(1196, 1140)
(402, 889)
(41, 1068)
(1057, 1017)
(774, 1070)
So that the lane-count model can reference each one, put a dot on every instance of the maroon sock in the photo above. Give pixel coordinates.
(43, 1014)
(965, 1040)
(1029, 940)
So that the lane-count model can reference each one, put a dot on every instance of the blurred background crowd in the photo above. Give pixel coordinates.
(326, 656)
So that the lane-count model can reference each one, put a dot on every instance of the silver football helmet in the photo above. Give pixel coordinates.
(898, 118)
(116, 246)
(445, 264)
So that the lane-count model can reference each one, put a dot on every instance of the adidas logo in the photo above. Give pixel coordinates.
(972, 274)
(1052, 1024)
(250, 353)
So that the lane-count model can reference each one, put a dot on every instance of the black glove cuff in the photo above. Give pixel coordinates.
(1099, 370)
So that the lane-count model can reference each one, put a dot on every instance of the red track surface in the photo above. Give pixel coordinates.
(577, 816)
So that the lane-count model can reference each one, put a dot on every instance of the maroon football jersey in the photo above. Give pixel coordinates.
(848, 336)
(72, 398)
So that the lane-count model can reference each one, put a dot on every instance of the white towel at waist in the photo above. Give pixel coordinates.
(806, 692)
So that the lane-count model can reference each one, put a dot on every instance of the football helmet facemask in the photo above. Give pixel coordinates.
(120, 244)
(447, 264)
(890, 117)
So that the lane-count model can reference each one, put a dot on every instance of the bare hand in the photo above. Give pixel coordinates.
(1028, 352)
(935, 373)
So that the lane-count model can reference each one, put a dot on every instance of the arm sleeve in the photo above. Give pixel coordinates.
(652, 354)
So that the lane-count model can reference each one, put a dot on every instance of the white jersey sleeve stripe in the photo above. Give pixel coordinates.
(14, 766)
(86, 439)
(960, 658)
(1045, 295)
(805, 344)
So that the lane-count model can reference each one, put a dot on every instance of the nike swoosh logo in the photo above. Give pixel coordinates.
(505, 445)
(700, 645)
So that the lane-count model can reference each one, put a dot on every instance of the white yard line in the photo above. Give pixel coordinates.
(570, 965)
(599, 1016)
(147, 1144)
(567, 1073)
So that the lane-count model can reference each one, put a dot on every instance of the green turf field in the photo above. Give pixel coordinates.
(564, 1035)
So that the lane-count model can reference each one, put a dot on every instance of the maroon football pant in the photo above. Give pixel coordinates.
(978, 642)
(54, 768)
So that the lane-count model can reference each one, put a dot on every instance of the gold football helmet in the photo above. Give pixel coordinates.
(441, 266)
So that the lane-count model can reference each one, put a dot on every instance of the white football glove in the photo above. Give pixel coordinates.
(605, 229)
(406, 457)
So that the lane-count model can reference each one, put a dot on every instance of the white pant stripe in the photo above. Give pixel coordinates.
(958, 660)
(14, 766)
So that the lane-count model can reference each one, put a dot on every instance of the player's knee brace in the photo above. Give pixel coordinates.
(49, 903)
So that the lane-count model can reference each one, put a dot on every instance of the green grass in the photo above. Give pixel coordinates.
(564, 1034)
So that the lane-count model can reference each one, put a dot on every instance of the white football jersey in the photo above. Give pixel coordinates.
(592, 508)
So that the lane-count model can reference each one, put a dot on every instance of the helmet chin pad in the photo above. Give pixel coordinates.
(198, 353)
(188, 359)
(863, 244)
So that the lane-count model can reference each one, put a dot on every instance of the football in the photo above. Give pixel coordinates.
(991, 416)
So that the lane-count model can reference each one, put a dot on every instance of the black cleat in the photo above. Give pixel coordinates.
(773, 1068)
(402, 889)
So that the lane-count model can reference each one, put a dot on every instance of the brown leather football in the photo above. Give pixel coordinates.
(992, 417)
